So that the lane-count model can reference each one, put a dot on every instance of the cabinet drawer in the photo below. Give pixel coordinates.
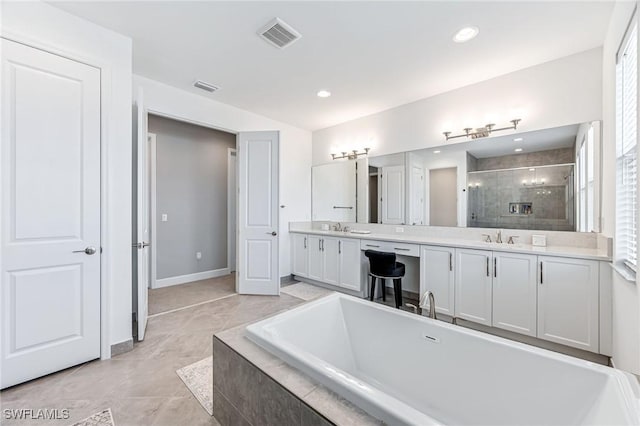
(404, 249)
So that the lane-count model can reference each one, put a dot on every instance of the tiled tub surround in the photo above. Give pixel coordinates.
(448, 374)
(254, 387)
(493, 287)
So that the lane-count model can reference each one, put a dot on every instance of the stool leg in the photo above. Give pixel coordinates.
(373, 288)
(397, 291)
(383, 288)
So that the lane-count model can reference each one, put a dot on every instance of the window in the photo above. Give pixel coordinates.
(586, 176)
(626, 147)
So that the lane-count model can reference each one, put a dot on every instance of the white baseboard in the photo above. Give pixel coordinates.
(181, 279)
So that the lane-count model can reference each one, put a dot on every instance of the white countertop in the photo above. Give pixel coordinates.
(562, 251)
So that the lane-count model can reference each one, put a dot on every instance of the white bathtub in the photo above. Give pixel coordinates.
(410, 370)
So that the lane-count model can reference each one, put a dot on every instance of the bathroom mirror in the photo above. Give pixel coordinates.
(540, 180)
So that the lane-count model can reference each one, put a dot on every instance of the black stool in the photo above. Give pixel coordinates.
(383, 265)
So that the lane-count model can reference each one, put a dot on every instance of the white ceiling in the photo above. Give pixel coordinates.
(371, 55)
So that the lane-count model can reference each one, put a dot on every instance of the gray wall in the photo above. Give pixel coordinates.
(192, 190)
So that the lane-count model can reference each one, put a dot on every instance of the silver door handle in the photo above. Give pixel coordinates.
(89, 250)
(274, 233)
(141, 245)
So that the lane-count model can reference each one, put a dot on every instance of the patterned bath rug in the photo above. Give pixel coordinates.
(198, 377)
(103, 418)
(305, 291)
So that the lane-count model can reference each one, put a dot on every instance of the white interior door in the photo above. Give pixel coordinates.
(143, 222)
(393, 194)
(50, 248)
(257, 262)
(416, 198)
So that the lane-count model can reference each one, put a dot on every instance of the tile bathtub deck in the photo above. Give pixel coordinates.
(141, 386)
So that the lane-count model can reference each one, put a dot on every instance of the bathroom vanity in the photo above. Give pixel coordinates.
(556, 293)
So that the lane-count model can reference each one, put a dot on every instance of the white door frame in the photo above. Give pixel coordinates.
(231, 231)
(153, 190)
(153, 208)
(105, 109)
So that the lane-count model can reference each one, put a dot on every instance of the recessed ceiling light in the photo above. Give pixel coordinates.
(436, 151)
(518, 139)
(466, 34)
(532, 170)
(324, 94)
(518, 150)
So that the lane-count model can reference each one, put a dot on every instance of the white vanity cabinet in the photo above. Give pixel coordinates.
(315, 260)
(437, 276)
(350, 263)
(331, 260)
(568, 299)
(554, 298)
(473, 279)
(515, 292)
(299, 255)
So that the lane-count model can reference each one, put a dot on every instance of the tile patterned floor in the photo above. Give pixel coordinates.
(178, 296)
(141, 387)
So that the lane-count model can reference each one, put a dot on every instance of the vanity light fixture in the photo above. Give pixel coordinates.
(482, 132)
(324, 94)
(353, 155)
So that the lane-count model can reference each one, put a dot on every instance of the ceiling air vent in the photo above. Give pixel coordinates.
(279, 33)
(205, 86)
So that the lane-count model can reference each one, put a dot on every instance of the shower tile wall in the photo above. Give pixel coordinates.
(549, 190)
(533, 159)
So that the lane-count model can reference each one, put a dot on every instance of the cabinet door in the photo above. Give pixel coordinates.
(331, 260)
(314, 265)
(350, 263)
(473, 285)
(299, 255)
(436, 275)
(568, 302)
(515, 292)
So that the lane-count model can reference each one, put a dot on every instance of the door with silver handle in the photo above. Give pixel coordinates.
(89, 250)
(272, 233)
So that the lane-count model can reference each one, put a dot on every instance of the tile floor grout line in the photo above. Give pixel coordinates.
(191, 306)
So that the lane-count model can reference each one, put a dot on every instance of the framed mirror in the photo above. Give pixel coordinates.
(540, 180)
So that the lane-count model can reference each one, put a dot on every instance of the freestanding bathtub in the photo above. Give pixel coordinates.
(409, 370)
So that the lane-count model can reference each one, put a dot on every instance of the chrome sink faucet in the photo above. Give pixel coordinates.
(499, 237)
(337, 227)
(432, 303)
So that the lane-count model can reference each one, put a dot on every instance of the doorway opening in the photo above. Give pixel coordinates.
(443, 197)
(192, 196)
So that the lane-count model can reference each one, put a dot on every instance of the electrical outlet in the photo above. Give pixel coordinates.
(164, 217)
(199, 255)
(399, 229)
